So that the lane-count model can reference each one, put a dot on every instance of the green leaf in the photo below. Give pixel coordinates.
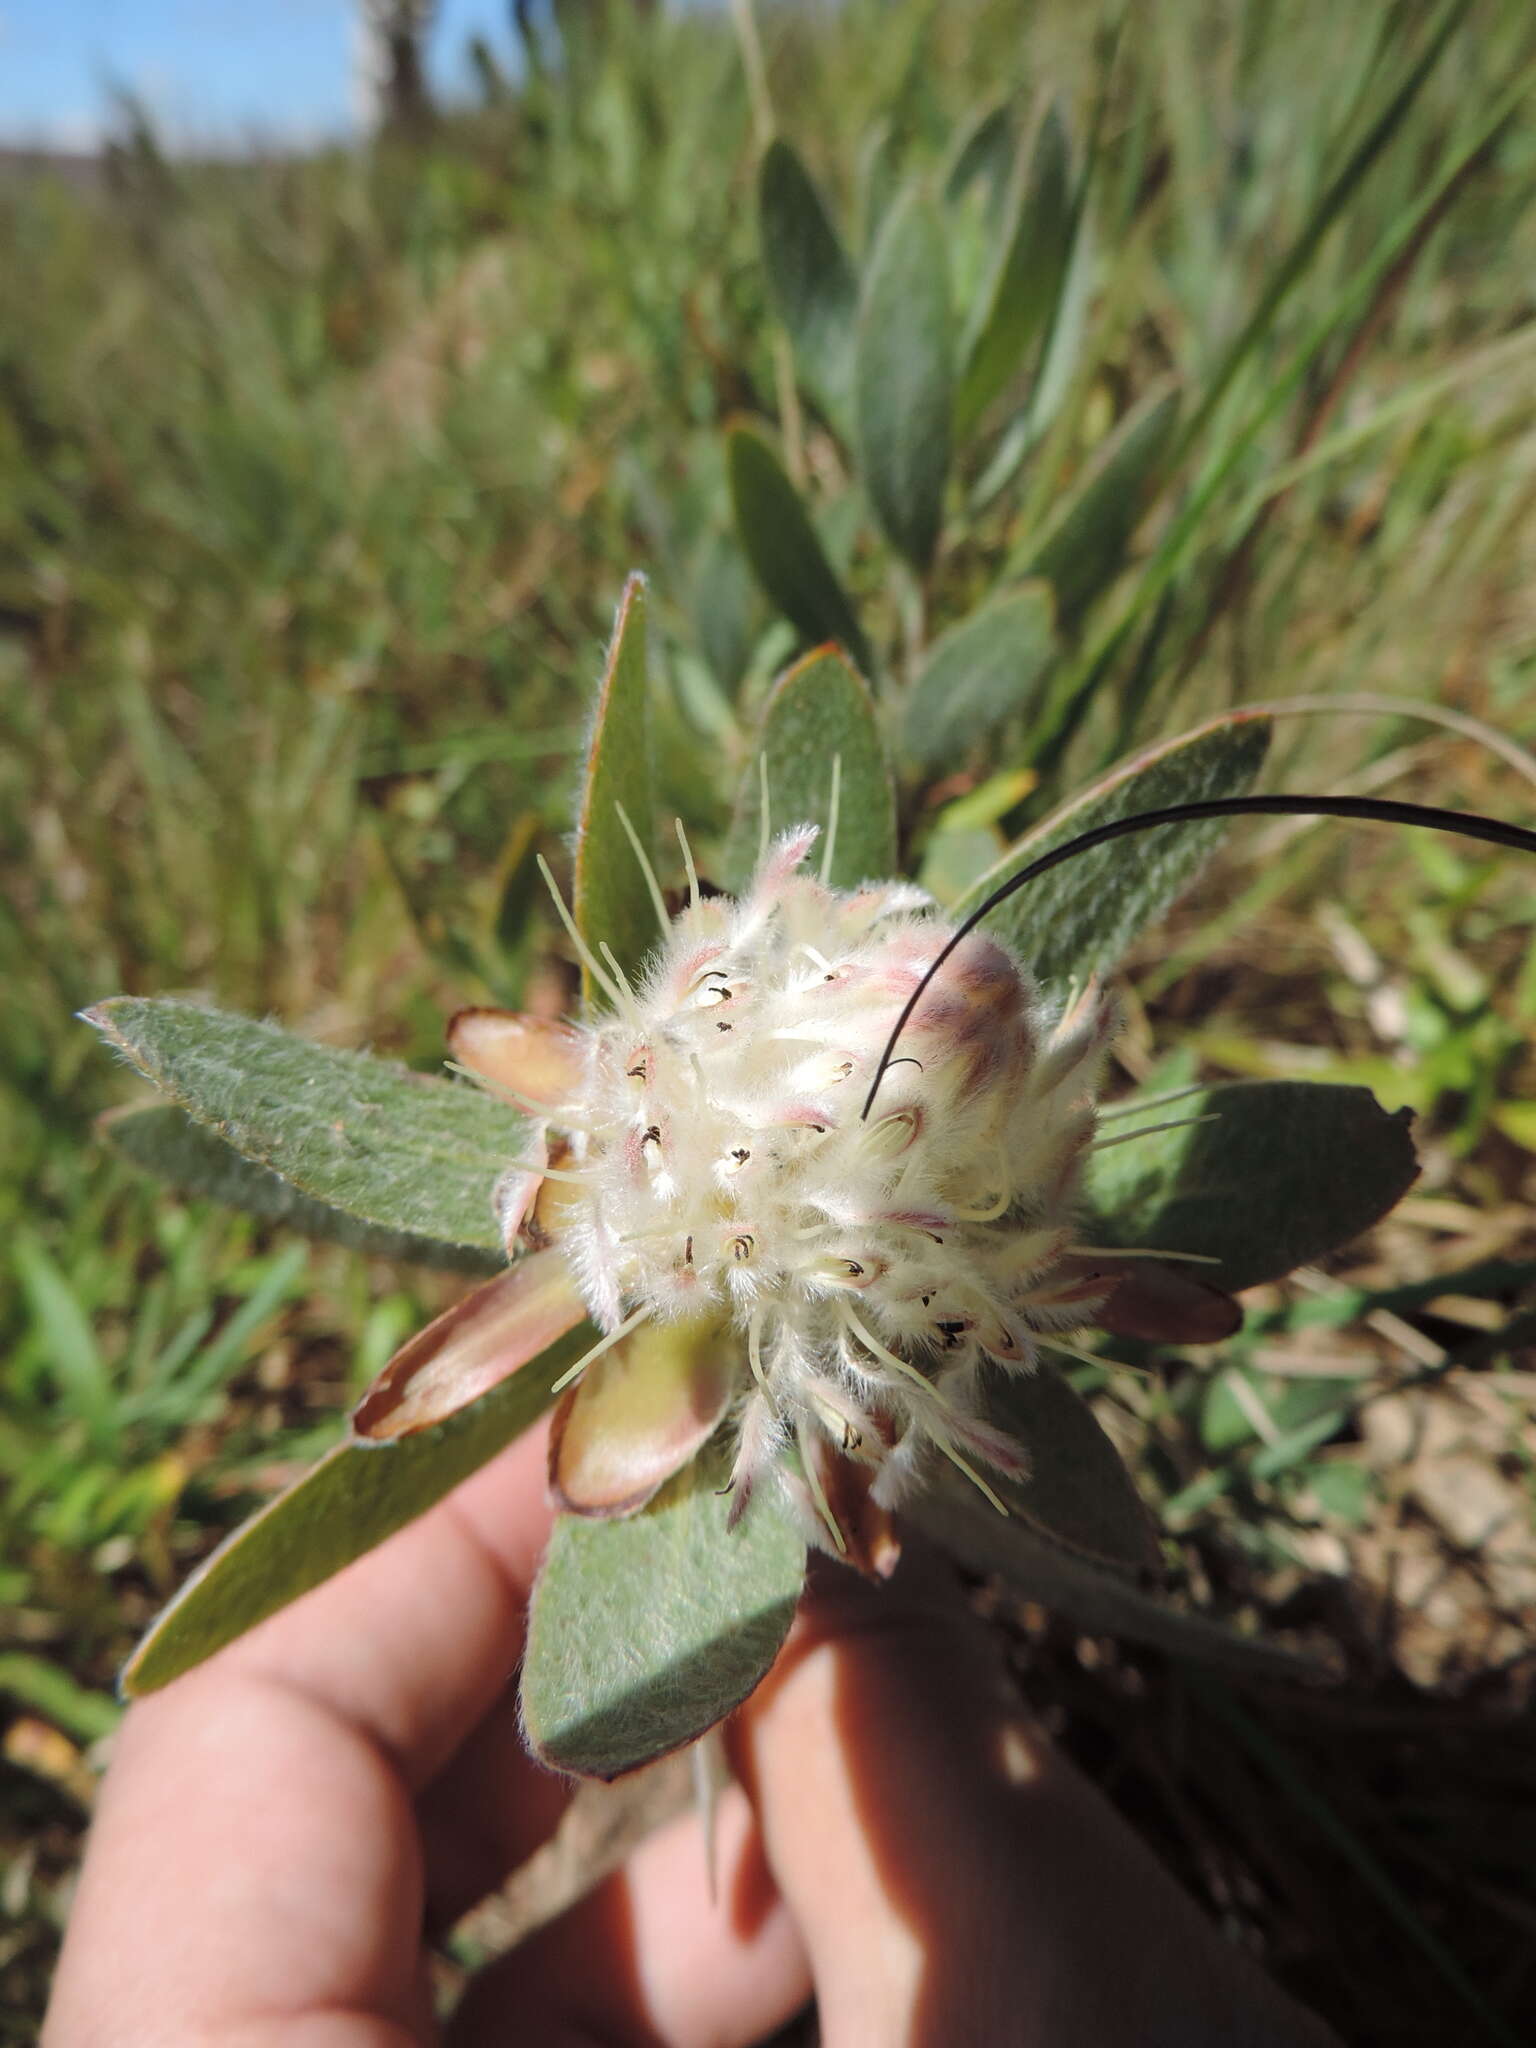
(783, 548)
(164, 1141)
(1085, 544)
(358, 1494)
(46, 1689)
(980, 674)
(953, 1515)
(74, 1358)
(612, 899)
(877, 178)
(810, 279)
(406, 1151)
(904, 378)
(1227, 1421)
(727, 610)
(1081, 918)
(1077, 1491)
(984, 154)
(820, 711)
(1288, 1172)
(1018, 298)
(1062, 346)
(646, 1632)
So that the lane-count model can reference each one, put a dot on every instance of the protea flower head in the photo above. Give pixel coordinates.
(758, 1237)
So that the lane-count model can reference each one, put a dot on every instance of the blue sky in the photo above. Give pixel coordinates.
(212, 71)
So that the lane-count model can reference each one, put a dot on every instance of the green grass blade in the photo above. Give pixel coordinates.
(1327, 210)
(1302, 1798)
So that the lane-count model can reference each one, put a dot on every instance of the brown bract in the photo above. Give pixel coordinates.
(471, 1347)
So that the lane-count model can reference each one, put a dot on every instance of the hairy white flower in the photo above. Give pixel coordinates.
(718, 1171)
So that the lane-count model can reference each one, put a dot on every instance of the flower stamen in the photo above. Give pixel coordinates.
(653, 887)
(834, 804)
(695, 896)
(631, 1322)
(819, 1496)
(584, 953)
(1178, 1123)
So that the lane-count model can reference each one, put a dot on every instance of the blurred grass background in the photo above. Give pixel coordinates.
(318, 480)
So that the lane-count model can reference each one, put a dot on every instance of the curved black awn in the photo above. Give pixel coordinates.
(1383, 810)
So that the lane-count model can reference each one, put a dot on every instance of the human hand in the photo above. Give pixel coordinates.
(278, 1827)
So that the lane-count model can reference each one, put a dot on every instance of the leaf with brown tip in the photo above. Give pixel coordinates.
(471, 1347)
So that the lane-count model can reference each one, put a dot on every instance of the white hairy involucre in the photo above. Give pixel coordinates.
(864, 1268)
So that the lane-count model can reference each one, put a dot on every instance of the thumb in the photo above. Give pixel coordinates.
(954, 1878)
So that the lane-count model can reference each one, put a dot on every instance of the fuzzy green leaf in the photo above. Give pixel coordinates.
(1020, 294)
(357, 1495)
(1082, 917)
(405, 1151)
(904, 378)
(953, 1515)
(1086, 542)
(820, 711)
(1288, 1172)
(784, 549)
(165, 1141)
(810, 278)
(612, 901)
(980, 674)
(1077, 1491)
(646, 1632)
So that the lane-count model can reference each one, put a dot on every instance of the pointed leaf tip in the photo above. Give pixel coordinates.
(405, 1151)
(1281, 1173)
(1082, 918)
(784, 550)
(471, 1348)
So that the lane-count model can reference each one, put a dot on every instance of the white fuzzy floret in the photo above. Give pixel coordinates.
(868, 1264)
